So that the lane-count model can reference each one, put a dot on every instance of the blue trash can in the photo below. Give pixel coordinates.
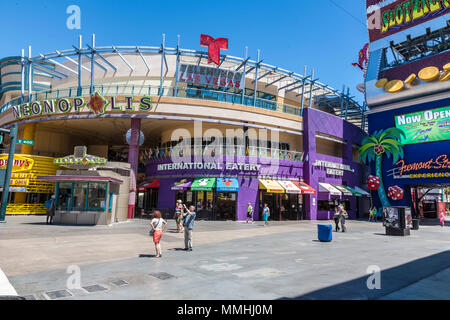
(325, 232)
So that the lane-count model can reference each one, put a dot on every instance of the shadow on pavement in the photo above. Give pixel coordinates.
(392, 280)
(147, 255)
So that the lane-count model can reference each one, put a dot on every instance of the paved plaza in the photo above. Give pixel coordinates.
(230, 260)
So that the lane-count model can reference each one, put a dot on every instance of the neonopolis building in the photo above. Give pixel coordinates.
(211, 129)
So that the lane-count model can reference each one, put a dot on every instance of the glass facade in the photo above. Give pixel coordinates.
(81, 196)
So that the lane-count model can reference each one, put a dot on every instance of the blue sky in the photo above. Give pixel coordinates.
(290, 33)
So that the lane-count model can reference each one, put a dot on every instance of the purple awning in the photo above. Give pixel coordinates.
(182, 185)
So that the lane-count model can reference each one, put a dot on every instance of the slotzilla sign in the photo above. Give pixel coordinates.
(333, 168)
(425, 126)
(96, 104)
(210, 76)
(209, 166)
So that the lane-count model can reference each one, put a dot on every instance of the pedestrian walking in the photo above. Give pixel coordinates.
(266, 214)
(343, 216)
(442, 218)
(336, 218)
(179, 215)
(250, 212)
(188, 223)
(373, 214)
(158, 225)
(51, 208)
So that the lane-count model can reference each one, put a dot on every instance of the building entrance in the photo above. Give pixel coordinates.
(429, 200)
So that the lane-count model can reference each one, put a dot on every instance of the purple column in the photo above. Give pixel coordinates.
(309, 148)
(133, 159)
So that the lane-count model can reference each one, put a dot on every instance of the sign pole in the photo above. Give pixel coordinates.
(9, 167)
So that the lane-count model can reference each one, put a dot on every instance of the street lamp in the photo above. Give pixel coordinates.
(12, 147)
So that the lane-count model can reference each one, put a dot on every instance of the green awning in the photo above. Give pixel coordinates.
(355, 193)
(203, 184)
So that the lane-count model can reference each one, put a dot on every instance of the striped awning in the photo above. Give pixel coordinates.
(326, 187)
(270, 186)
(290, 187)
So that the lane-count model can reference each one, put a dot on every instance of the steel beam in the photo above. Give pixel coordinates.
(273, 82)
(101, 57)
(311, 89)
(59, 64)
(91, 89)
(290, 84)
(73, 61)
(177, 67)
(143, 59)
(79, 89)
(40, 68)
(123, 59)
(162, 64)
(256, 78)
(244, 73)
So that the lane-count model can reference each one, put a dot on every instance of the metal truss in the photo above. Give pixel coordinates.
(46, 64)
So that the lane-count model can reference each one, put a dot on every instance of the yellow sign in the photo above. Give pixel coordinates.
(20, 182)
(20, 163)
(22, 176)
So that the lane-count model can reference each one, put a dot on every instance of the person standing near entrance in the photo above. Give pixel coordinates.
(51, 208)
(266, 214)
(373, 214)
(336, 218)
(250, 212)
(158, 225)
(442, 218)
(179, 215)
(188, 223)
(343, 215)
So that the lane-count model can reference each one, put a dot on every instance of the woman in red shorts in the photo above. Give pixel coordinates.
(158, 226)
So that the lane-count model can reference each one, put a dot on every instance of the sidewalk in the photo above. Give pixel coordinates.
(6, 289)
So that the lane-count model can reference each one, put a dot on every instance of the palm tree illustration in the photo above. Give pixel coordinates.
(373, 147)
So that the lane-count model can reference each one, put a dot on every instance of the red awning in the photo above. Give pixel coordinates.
(149, 184)
(306, 189)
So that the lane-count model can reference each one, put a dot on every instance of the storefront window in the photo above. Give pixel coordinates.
(64, 192)
(326, 205)
(226, 205)
(79, 195)
(82, 196)
(97, 196)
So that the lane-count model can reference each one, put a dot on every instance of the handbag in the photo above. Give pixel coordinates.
(152, 230)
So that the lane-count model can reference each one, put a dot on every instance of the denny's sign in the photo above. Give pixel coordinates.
(95, 104)
(21, 164)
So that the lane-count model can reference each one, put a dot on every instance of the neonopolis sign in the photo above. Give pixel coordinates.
(96, 104)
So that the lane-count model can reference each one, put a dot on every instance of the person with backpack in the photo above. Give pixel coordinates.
(158, 225)
(51, 208)
(188, 224)
(250, 212)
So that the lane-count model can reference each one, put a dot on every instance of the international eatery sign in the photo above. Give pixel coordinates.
(333, 168)
(96, 104)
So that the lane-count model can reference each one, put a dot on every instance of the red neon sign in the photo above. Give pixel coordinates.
(214, 46)
(441, 162)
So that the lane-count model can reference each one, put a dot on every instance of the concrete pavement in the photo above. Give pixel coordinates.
(231, 260)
